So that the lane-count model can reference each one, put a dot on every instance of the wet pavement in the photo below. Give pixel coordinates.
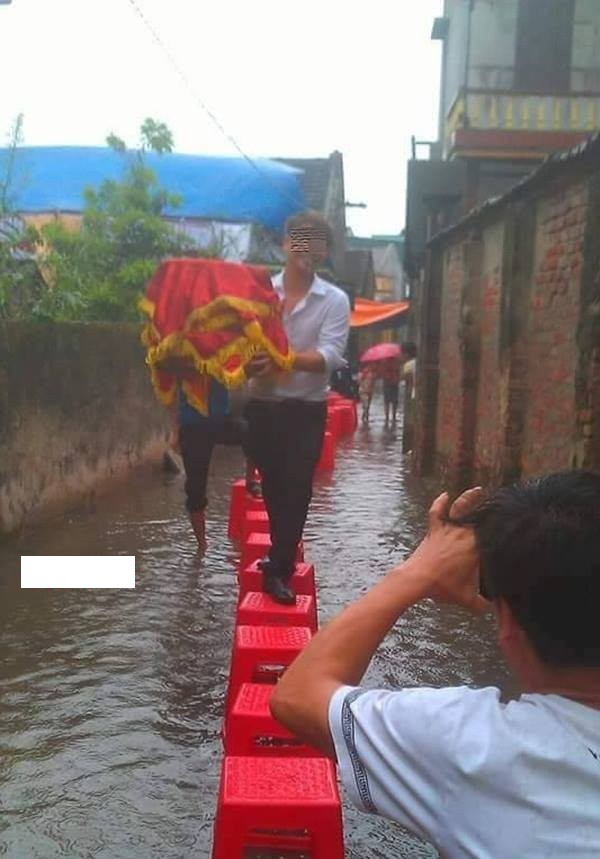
(111, 701)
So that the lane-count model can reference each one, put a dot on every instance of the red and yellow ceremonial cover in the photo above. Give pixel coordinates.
(207, 318)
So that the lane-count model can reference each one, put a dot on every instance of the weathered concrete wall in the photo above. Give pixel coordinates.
(509, 362)
(450, 394)
(76, 407)
(491, 390)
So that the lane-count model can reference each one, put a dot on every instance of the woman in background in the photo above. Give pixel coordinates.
(366, 386)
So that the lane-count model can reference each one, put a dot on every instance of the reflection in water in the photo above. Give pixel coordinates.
(111, 701)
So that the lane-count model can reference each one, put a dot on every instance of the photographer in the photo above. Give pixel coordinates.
(471, 774)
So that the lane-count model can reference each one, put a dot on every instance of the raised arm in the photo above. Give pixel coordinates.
(444, 566)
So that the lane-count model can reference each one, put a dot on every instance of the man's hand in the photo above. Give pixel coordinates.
(449, 554)
(259, 366)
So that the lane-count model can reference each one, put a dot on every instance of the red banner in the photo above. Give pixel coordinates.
(207, 319)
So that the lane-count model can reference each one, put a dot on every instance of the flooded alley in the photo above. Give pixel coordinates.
(111, 702)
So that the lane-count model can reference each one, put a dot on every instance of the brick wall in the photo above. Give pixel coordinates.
(516, 360)
(549, 426)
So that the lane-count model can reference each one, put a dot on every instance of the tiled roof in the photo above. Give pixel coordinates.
(314, 179)
(583, 154)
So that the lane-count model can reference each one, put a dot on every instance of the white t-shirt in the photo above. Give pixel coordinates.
(475, 777)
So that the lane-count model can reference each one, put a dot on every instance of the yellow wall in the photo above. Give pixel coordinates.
(40, 219)
(384, 286)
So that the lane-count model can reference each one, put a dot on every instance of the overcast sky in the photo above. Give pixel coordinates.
(284, 79)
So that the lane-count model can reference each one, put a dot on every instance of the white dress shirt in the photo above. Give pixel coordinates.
(319, 322)
(476, 777)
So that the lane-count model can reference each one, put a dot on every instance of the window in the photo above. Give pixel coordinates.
(544, 44)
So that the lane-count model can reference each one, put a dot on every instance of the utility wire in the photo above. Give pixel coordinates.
(186, 81)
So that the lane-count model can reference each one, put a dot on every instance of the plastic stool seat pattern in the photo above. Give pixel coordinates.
(258, 608)
(293, 780)
(278, 637)
(251, 730)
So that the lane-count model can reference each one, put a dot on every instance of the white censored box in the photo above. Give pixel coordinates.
(78, 571)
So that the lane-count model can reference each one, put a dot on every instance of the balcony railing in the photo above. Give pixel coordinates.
(487, 110)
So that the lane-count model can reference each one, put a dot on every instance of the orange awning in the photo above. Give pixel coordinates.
(367, 312)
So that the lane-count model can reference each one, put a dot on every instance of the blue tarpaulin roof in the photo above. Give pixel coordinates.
(211, 187)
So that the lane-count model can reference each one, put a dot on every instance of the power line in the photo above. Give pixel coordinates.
(152, 30)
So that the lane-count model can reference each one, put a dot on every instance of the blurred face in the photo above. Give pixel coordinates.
(306, 249)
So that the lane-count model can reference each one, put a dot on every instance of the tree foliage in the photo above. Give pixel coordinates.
(21, 283)
(104, 266)
(9, 167)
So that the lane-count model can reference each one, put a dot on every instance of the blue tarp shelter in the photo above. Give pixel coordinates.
(53, 178)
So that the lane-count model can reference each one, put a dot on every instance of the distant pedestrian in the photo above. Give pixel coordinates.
(366, 385)
(391, 373)
(409, 377)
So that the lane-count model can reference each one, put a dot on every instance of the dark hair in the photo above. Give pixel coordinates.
(310, 218)
(539, 547)
(409, 349)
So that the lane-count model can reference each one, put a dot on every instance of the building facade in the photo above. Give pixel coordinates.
(508, 384)
(520, 79)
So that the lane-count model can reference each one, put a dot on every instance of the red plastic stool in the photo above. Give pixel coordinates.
(237, 509)
(257, 546)
(258, 609)
(302, 582)
(278, 804)
(255, 522)
(241, 502)
(334, 420)
(327, 460)
(262, 653)
(346, 410)
(251, 730)
(254, 505)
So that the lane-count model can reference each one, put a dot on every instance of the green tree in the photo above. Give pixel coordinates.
(21, 282)
(104, 266)
(9, 167)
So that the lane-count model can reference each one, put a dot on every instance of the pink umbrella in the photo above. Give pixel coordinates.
(380, 352)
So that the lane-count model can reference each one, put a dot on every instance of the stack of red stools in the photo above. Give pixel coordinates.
(342, 420)
(276, 793)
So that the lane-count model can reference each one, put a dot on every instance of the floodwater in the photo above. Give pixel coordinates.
(111, 701)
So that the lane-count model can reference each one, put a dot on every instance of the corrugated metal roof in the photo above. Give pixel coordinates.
(584, 153)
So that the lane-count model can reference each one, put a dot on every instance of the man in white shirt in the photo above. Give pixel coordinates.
(287, 411)
(476, 777)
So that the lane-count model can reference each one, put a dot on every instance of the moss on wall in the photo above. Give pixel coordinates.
(76, 406)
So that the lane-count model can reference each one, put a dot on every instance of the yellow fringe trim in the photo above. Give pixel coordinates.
(176, 345)
(224, 304)
(194, 401)
(146, 306)
(245, 347)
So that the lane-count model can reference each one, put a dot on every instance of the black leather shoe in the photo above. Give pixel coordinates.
(279, 590)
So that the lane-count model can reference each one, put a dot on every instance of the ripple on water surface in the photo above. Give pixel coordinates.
(111, 702)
